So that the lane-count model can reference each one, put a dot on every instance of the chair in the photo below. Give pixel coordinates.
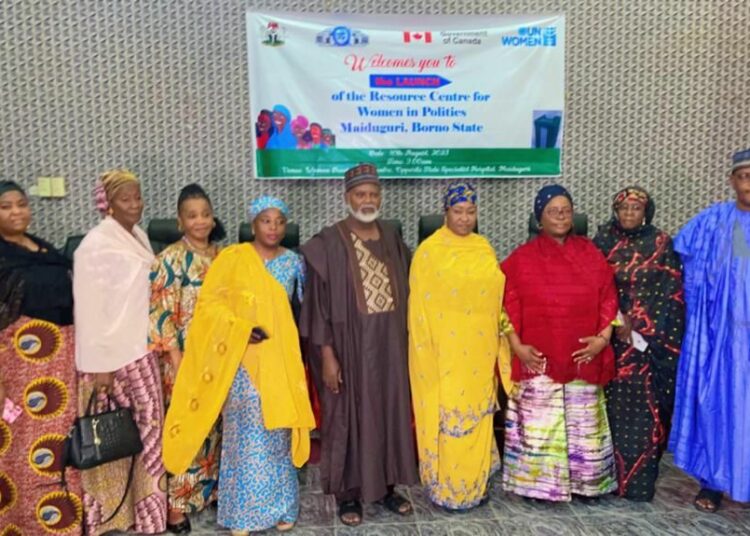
(396, 224)
(580, 225)
(291, 239)
(430, 223)
(71, 244)
(162, 232)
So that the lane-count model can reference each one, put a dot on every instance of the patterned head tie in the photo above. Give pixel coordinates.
(637, 195)
(459, 192)
(107, 186)
(545, 195)
(361, 174)
(740, 159)
(264, 202)
(11, 186)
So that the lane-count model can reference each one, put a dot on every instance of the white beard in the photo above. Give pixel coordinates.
(364, 217)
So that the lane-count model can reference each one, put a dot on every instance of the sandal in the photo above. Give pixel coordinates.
(183, 527)
(284, 526)
(708, 500)
(350, 513)
(397, 504)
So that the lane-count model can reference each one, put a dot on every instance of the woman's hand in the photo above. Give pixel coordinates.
(103, 381)
(257, 335)
(532, 358)
(594, 345)
(529, 356)
(332, 377)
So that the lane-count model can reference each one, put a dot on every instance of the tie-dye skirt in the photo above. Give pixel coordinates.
(137, 386)
(558, 441)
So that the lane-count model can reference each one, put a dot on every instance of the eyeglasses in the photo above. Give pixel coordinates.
(555, 212)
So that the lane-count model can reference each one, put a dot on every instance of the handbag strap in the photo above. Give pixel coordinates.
(64, 484)
(124, 495)
(91, 406)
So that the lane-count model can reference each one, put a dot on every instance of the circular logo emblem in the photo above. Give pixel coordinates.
(45, 398)
(59, 512)
(341, 35)
(38, 341)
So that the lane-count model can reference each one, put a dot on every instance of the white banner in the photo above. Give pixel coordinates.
(419, 96)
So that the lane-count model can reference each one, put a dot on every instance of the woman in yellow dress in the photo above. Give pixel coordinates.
(242, 359)
(455, 343)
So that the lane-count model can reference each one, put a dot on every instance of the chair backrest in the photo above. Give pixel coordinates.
(162, 232)
(580, 225)
(430, 223)
(71, 244)
(291, 239)
(396, 224)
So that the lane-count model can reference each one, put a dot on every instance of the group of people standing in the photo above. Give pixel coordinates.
(602, 346)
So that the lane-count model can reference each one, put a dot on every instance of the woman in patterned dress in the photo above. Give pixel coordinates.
(176, 278)
(641, 397)
(111, 289)
(243, 346)
(560, 297)
(259, 483)
(38, 383)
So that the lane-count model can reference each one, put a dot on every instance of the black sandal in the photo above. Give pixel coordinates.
(183, 527)
(708, 500)
(350, 507)
(395, 503)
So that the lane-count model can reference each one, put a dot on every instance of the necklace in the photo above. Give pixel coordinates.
(202, 250)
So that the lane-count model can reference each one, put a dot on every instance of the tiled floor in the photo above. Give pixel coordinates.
(671, 512)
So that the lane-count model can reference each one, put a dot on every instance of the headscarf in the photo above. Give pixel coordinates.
(459, 192)
(264, 202)
(300, 121)
(637, 194)
(284, 139)
(11, 186)
(107, 186)
(545, 195)
(740, 159)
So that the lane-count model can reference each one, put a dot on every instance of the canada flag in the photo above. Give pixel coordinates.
(417, 37)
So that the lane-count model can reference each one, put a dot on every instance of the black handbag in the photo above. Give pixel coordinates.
(99, 438)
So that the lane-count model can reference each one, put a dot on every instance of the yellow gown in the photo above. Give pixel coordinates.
(238, 294)
(456, 341)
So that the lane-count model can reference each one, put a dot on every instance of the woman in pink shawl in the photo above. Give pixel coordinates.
(111, 291)
(299, 128)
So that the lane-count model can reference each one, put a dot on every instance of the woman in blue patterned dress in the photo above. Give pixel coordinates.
(258, 486)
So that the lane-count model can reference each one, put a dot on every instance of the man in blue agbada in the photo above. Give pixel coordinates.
(711, 427)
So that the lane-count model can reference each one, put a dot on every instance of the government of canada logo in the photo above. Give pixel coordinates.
(342, 36)
(273, 34)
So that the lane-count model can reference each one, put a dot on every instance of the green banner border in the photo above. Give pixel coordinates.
(425, 163)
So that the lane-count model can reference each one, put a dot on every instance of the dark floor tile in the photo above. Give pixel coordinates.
(679, 523)
(316, 510)
(309, 479)
(612, 504)
(462, 527)
(378, 529)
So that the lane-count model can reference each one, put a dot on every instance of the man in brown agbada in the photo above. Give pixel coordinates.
(354, 319)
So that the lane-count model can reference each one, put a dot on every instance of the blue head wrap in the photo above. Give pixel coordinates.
(545, 195)
(459, 192)
(740, 159)
(259, 204)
